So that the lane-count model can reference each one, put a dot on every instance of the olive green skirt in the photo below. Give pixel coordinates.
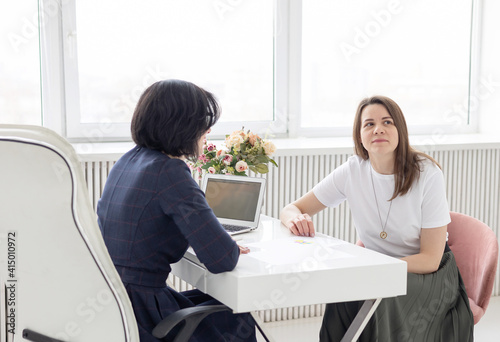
(435, 309)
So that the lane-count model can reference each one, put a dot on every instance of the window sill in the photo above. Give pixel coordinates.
(109, 151)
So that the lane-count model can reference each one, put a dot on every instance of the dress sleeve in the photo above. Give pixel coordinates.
(183, 200)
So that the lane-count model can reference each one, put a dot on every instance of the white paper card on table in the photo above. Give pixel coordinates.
(297, 249)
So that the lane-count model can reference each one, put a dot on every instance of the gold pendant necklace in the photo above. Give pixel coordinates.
(383, 234)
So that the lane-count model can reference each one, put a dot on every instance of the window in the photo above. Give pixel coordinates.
(291, 68)
(123, 48)
(416, 52)
(20, 64)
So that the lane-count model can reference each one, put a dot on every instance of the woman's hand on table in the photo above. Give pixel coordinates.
(301, 225)
(244, 250)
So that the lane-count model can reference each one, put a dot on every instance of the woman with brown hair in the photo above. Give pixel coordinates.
(398, 203)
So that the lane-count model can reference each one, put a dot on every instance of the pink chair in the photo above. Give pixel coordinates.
(475, 247)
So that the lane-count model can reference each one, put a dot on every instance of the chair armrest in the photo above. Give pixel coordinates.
(189, 318)
(33, 336)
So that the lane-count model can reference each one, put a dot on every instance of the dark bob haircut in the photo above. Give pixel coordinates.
(172, 115)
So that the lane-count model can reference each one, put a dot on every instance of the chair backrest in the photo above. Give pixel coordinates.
(55, 271)
(475, 247)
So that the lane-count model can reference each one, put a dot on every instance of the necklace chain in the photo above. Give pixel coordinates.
(383, 234)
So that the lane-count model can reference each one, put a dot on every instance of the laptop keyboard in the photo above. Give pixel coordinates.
(232, 228)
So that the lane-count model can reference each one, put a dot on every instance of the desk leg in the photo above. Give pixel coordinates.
(361, 319)
(260, 327)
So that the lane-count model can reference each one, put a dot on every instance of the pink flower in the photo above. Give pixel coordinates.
(203, 158)
(211, 169)
(227, 159)
(252, 138)
(220, 153)
(199, 170)
(241, 166)
(210, 147)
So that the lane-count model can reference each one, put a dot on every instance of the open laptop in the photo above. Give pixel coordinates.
(235, 200)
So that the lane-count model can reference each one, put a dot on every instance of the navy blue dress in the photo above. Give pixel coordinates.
(151, 210)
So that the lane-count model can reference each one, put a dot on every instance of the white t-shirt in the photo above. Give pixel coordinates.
(424, 206)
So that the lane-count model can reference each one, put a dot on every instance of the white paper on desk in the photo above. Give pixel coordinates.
(297, 249)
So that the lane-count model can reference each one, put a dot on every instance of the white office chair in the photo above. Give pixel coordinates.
(56, 276)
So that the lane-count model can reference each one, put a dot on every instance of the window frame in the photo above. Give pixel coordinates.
(60, 93)
(470, 127)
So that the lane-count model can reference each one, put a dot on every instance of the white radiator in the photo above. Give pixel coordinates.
(472, 180)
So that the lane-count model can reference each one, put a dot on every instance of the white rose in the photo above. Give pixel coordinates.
(269, 148)
(234, 141)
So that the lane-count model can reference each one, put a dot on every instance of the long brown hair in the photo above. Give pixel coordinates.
(407, 163)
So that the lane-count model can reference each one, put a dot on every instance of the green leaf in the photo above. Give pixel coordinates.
(273, 162)
(262, 159)
(211, 154)
(208, 164)
(261, 168)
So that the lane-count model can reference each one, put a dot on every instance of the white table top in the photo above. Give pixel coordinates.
(284, 270)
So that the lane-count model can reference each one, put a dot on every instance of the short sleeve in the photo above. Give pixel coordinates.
(331, 190)
(435, 210)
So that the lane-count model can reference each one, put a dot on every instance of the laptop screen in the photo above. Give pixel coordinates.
(235, 200)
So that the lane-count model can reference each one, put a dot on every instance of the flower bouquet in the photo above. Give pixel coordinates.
(242, 151)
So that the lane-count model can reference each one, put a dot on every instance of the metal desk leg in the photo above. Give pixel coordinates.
(361, 319)
(260, 326)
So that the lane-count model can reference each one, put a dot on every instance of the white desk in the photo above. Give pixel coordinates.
(283, 270)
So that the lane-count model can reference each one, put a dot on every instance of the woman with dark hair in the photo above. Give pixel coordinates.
(151, 210)
(398, 204)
